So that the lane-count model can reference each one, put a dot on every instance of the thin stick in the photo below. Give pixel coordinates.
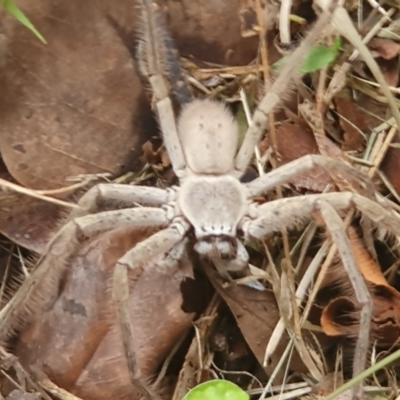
(33, 193)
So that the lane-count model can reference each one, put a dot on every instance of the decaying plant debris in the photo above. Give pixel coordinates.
(77, 110)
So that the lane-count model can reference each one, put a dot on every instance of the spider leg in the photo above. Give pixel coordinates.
(122, 196)
(280, 85)
(337, 231)
(155, 61)
(41, 284)
(293, 212)
(169, 241)
(338, 170)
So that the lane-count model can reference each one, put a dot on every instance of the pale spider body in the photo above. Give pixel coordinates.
(211, 197)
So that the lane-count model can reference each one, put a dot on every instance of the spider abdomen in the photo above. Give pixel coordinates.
(209, 136)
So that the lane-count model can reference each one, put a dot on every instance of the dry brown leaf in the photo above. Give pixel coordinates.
(73, 106)
(76, 339)
(210, 31)
(27, 221)
(390, 71)
(352, 121)
(390, 165)
(155, 156)
(295, 141)
(76, 106)
(257, 314)
(315, 121)
(384, 48)
(248, 17)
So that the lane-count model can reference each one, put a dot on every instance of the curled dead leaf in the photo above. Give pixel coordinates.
(340, 316)
(368, 267)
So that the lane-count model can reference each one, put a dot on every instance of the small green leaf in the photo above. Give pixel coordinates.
(336, 44)
(11, 7)
(277, 66)
(317, 58)
(217, 389)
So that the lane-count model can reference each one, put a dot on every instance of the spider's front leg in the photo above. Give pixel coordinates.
(339, 171)
(169, 241)
(42, 284)
(159, 63)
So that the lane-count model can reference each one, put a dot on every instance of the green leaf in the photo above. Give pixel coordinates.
(317, 58)
(11, 7)
(217, 389)
(277, 66)
(336, 44)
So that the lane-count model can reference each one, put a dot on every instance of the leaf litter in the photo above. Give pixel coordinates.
(70, 349)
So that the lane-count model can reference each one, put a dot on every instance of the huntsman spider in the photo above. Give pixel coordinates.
(211, 209)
